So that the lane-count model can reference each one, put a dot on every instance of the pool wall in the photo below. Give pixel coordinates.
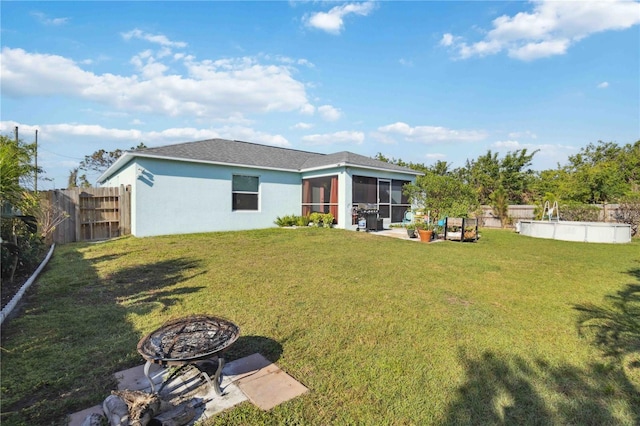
(588, 232)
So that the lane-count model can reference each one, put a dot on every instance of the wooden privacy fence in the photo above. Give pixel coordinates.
(94, 213)
(488, 219)
(516, 212)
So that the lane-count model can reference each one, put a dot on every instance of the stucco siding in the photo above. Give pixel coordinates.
(179, 198)
(126, 176)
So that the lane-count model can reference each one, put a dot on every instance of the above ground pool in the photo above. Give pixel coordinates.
(588, 232)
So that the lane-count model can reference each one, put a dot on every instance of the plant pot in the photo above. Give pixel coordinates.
(425, 236)
(411, 233)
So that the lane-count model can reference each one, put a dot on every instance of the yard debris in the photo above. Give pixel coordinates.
(137, 408)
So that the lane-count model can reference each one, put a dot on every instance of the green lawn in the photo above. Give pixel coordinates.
(382, 331)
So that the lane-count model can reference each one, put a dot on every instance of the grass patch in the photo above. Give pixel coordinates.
(382, 331)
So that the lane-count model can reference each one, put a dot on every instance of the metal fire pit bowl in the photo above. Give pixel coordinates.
(184, 341)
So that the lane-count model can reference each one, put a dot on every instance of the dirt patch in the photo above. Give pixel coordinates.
(9, 289)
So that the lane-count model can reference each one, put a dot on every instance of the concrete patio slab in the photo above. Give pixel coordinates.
(134, 379)
(400, 233)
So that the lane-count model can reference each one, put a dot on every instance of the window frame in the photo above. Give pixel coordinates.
(235, 192)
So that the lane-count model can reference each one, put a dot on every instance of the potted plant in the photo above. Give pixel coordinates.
(411, 230)
(425, 231)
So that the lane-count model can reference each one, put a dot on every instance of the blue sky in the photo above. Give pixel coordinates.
(420, 81)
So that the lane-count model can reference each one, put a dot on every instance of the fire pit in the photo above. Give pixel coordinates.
(183, 342)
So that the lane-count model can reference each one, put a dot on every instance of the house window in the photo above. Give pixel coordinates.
(320, 195)
(245, 191)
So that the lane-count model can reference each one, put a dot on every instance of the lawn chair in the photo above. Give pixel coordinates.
(408, 218)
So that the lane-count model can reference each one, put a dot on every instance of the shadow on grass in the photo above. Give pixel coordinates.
(144, 288)
(614, 327)
(60, 354)
(248, 345)
(509, 390)
(513, 391)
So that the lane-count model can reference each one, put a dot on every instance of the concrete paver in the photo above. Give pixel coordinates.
(264, 383)
(271, 389)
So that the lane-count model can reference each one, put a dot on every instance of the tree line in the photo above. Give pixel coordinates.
(600, 173)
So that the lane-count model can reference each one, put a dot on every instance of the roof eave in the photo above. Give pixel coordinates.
(121, 161)
(360, 166)
(131, 155)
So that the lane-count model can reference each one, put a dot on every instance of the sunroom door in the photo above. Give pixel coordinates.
(384, 199)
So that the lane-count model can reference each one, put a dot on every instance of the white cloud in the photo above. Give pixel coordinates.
(547, 157)
(343, 137)
(430, 134)
(91, 130)
(63, 131)
(44, 19)
(525, 134)
(603, 85)
(240, 133)
(333, 21)
(446, 40)
(510, 144)
(406, 62)
(549, 29)
(147, 65)
(211, 88)
(288, 60)
(303, 126)
(8, 126)
(329, 113)
(543, 49)
(152, 38)
(435, 156)
(307, 109)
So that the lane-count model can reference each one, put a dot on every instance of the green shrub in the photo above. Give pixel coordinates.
(315, 218)
(327, 220)
(579, 212)
(302, 220)
(292, 220)
(28, 250)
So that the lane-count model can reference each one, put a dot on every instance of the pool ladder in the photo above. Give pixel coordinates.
(548, 211)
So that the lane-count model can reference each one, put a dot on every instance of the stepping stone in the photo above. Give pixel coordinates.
(265, 384)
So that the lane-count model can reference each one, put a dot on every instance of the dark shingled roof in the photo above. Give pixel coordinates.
(264, 156)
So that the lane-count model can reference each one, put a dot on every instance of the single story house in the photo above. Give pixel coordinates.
(223, 185)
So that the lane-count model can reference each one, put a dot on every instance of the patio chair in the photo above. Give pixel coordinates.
(408, 218)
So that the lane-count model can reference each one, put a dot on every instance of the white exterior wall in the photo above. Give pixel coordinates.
(172, 197)
(176, 197)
